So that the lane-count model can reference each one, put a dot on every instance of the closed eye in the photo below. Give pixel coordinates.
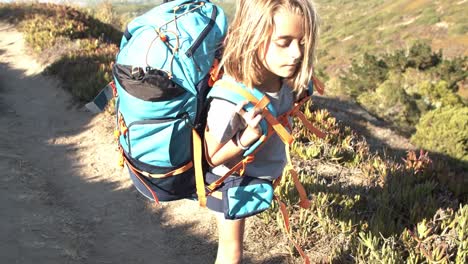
(283, 43)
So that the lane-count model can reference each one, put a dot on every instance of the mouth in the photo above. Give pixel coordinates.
(290, 65)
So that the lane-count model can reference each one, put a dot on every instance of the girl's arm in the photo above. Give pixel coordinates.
(220, 153)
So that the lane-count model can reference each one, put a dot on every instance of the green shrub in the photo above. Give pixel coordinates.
(400, 87)
(442, 239)
(391, 103)
(444, 130)
(412, 78)
(438, 94)
(452, 71)
(397, 61)
(365, 76)
(421, 56)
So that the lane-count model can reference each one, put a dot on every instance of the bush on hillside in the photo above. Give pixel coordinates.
(41, 33)
(44, 24)
(366, 75)
(80, 47)
(85, 72)
(452, 71)
(420, 56)
(437, 95)
(391, 103)
(444, 130)
(412, 78)
(398, 61)
(401, 86)
(402, 100)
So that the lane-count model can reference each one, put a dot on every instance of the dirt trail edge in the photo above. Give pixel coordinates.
(62, 197)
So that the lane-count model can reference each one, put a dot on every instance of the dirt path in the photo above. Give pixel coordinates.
(62, 198)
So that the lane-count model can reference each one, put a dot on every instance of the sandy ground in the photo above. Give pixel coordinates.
(63, 199)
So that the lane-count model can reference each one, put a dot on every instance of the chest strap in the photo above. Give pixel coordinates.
(261, 104)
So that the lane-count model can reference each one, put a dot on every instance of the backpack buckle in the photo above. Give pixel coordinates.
(138, 73)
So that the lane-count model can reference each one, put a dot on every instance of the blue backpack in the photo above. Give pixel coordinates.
(161, 77)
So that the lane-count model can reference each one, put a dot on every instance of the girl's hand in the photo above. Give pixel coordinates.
(253, 131)
(231, 151)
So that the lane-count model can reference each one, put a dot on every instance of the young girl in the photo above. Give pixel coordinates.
(270, 46)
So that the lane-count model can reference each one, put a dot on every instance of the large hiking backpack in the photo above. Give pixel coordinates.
(161, 81)
(161, 78)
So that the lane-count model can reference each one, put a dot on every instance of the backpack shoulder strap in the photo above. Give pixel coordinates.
(296, 112)
(236, 93)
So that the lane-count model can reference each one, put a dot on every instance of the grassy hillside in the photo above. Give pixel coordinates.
(351, 28)
(403, 61)
(365, 207)
(78, 47)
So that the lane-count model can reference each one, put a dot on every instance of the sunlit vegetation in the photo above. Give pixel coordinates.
(418, 92)
(365, 207)
(373, 209)
(79, 46)
(351, 28)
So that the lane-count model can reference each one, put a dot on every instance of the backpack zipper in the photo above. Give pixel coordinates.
(203, 34)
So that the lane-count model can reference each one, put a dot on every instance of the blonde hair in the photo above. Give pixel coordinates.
(251, 30)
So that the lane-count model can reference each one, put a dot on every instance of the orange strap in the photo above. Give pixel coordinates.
(278, 127)
(280, 130)
(285, 214)
(277, 182)
(122, 129)
(177, 171)
(239, 166)
(304, 201)
(308, 124)
(263, 103)
(215, 73)
(318, 85)
(155, 197)
(114, 89)
(199, 176)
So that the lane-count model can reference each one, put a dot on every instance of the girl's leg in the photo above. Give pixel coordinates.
(231, 237)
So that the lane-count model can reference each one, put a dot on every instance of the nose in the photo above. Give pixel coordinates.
(295, 50)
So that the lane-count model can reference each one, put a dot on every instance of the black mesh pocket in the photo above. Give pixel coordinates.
(153, 85)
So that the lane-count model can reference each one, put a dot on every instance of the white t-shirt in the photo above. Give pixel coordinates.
(223, 123)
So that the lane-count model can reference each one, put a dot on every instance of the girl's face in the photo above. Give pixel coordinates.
(284, 50)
